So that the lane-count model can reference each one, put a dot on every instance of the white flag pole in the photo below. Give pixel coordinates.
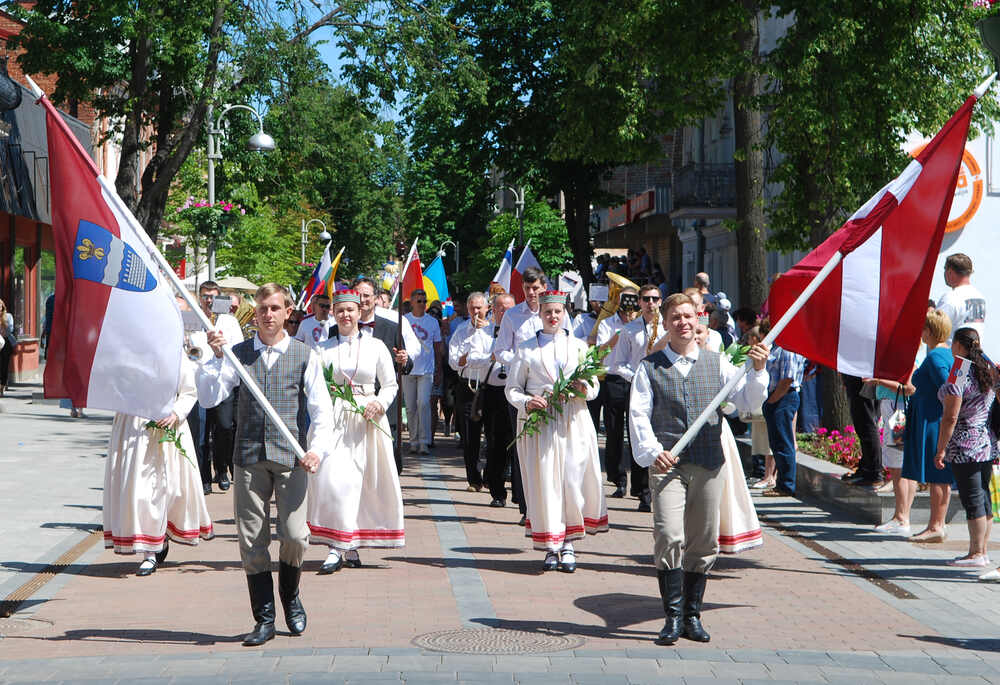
(402, 274)
(727, 389)
(112, 195)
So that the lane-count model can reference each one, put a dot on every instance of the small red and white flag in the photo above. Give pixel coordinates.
(959, 374)
(413, 274)
(117, 335)
(865, 318)
(506, 267)
(527, 259)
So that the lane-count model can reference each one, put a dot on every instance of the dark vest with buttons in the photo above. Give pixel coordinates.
(257, 438)
(678, 401)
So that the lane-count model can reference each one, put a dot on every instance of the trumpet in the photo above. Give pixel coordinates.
(616, 284)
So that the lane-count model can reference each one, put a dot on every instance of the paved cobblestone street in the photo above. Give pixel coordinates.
(801, 608)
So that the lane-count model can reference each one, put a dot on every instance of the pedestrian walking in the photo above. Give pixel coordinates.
(560, 468)
(354, 497)
(670, 390)
(426, 373)
(291, 376)
(152, 487)
(966, 442)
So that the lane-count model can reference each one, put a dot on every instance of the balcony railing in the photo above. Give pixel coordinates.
(705, 185)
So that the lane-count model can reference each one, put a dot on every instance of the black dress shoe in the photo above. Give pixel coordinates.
(551, 562)
(329, 567)
(523, 521)
(352, 562)
(619, 492)
(644, 506)
(498, 503)
(146, 568)
(161, 556)
(567, 562)
(223, 483)
(207, 488)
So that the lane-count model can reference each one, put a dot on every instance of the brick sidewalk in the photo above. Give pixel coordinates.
(770, 598)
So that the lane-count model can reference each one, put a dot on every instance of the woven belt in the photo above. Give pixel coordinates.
(363, 388)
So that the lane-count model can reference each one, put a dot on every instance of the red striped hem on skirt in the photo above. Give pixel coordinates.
(348, 539)
(731, 544)
(544, 540)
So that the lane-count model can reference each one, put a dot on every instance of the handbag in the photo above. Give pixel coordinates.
(897, 420)
(479, 399)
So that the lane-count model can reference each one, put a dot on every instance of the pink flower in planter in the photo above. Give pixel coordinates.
(848, 428)
(821, 431)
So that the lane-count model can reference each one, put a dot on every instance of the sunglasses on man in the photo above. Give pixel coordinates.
(650, 298)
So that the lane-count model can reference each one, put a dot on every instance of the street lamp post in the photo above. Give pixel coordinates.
(258, 142)
(324, 236)
(519, 207)
(454, 245)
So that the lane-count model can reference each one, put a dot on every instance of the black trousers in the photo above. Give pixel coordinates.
(216, 447)
(516, 486)
(864, 415)
(499, 434)
(472, 430)
(595, 405)
(5, 355)
(617, 455)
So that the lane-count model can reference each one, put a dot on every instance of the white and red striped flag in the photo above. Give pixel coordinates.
(865, 319)
(506, 266)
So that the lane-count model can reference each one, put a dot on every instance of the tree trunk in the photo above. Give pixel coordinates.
(749, 163)
(578, 228)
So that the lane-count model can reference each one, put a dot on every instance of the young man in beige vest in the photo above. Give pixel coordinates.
(291, 376)
(669, 391)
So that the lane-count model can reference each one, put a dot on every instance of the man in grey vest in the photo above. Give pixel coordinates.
(291, 376)
(669, 391)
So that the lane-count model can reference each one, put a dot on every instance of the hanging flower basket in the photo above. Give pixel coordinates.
(211, 221)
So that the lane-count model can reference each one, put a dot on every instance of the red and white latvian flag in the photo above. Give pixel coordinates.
(527, 259)
(866, 317)
(413, 274)
(117, 335)
(959, 374)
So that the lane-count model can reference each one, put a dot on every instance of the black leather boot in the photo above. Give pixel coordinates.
(694, 593)
(672, 593)
(288, 590)
(262, 604)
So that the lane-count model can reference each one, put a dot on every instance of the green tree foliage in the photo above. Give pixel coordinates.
(542, 226)
(853, 79)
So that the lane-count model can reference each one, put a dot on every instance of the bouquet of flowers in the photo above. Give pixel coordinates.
(170, 435)
(345, 393)
(590, 368)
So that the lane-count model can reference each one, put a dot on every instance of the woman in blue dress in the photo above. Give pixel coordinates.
(923, 418)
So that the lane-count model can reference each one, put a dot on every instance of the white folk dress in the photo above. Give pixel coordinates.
(151, 490)
(354, 497)
(739, 527)
(560, 467)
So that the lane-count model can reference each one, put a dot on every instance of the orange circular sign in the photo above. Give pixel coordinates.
(968, 192)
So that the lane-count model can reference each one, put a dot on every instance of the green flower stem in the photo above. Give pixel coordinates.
(345, 393)
(172, 436)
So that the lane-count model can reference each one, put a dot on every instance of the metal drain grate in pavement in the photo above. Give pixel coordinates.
(23, 627)
(495, 641)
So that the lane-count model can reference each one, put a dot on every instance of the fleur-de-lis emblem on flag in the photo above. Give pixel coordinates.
(87, 249)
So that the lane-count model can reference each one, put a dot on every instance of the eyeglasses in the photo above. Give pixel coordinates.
(650, 298)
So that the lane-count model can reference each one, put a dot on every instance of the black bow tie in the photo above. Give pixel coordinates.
(370, 324)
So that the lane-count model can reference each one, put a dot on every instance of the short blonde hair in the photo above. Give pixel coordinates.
(676, 300)
(265, 291)
(938, 325)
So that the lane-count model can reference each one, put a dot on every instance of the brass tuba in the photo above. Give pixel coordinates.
(616, 284)
(244, 316)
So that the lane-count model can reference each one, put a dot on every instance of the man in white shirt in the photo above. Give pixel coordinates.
(583, 325)
(670, 390)
(475, 330)
(635, 341)
(427, 370)
(522, 321)
(315, 328)
(291, 376)
(471, 355)
(964, 304)
(213, 429)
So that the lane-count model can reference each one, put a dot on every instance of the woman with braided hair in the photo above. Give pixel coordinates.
(965, 440)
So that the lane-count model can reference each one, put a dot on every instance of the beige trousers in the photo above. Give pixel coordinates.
(686, 501)
(253, 486)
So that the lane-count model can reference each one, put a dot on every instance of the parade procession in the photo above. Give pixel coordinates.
(509, 344)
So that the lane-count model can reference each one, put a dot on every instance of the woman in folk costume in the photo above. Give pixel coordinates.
(354, 497)
(559, 465)
(153, 492)
(739, 527)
